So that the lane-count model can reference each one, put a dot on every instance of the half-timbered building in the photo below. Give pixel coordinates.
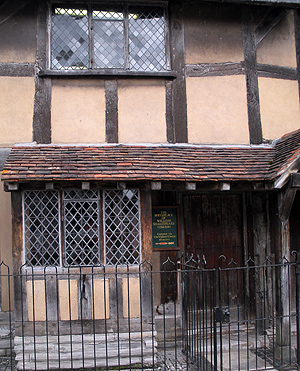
(136, 131)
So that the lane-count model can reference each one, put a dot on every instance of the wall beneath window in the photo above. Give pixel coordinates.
(279, 106)
(78, 111)
(142, 110)
(16, 109)
(217, 110)
(212, 33)
(18, 34)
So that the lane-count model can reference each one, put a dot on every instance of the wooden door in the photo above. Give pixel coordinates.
(214, 227)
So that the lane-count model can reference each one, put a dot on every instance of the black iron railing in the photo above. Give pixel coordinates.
(185, 316)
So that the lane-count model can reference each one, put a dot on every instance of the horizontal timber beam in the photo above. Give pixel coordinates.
(17, 69)
(230, 69)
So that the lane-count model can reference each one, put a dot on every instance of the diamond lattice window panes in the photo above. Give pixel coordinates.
(122, 227)
(108, 36)
(41, 228)
(81, 227)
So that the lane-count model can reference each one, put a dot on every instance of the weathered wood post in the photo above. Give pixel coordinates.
(285, 201)
(261, 252)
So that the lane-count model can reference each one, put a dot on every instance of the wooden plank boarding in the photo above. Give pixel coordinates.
(165, 228)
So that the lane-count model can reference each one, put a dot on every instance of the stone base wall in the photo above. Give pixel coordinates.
(85, 351)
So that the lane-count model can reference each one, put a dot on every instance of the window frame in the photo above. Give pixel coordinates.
(125, 226)
(167, 73)
(30, 220)
(61, 201)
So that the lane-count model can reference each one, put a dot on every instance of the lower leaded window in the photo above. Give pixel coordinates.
(122, 227)
(81, 227)
(41, 228)
(79, 219)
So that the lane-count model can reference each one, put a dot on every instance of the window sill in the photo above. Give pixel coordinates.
(107, 74)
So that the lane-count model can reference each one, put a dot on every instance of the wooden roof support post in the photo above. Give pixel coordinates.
(261, 235)
(146, 252)
(285, 199)
(17, 244)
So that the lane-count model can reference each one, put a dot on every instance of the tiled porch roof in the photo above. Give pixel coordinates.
(287, 152)
(125, 162)
(151, 162)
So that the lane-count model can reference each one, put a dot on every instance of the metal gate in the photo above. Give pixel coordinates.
(241, 317)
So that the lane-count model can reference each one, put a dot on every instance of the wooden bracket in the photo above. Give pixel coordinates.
(285, 202)
(155, 186)
(267, 23)
(190, 186)
(85, 185)
(121, 186)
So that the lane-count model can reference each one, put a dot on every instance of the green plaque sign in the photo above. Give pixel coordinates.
(165, 228)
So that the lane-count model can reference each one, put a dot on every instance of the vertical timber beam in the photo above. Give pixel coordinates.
(169, 112)
(146, 280)
(254, 122)
(146, 224)
(285, 201)
(42, 99)
(261, 251)
(297, 40)
(17, 243)
(111, 112)
(177, 128)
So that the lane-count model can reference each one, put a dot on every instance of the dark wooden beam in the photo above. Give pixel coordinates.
(17, 230)
(231, 68)
(266, 25)
(17, 69)
(215, 69)
(111, 112)
(261, 249)
(169, 112)
(146, 225)
(297, 41)
(277, 72)
(17, 253)
(105, 73)
(285, 200)
(179, 102)
(43, 86)
(254, 121)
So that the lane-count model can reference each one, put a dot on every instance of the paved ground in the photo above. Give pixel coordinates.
(5, 364)
(243, 357)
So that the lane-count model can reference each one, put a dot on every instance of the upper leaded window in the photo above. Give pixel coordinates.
(109, 36)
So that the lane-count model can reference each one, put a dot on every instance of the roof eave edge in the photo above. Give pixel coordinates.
(284, 178)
